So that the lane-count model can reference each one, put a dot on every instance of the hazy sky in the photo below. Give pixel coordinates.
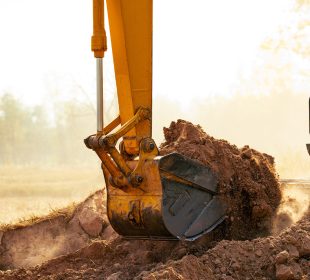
(200, 46)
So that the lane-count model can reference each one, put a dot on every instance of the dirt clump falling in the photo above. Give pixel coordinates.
(247, 179)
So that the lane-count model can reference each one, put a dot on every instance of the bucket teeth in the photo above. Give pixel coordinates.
(308, 148)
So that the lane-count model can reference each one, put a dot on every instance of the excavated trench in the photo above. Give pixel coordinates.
(81, 244)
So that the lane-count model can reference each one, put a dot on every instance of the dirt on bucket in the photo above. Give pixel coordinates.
(248, 183)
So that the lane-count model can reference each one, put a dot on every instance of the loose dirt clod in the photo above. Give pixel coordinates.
(247, 179)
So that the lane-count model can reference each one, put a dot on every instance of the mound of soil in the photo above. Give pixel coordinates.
(63, 231)
(247, 179)
(286, 256)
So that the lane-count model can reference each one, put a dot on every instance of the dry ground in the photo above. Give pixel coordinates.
(282, 257)
(35, 191)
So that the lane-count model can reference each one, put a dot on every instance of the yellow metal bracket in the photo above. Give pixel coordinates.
(148, 151)
(112, 160)
(111, 140)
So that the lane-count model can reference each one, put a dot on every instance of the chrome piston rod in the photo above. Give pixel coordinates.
(100, 102)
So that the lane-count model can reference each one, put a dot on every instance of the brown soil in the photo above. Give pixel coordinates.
(286, 256)
(247, 179)
(63, 231)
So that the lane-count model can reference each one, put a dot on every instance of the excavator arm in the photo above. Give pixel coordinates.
(148, 196)
(130, 24)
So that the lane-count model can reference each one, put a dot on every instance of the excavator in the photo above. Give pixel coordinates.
(149, 196)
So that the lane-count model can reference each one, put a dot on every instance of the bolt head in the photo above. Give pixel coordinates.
(139, 179)
(152, 146)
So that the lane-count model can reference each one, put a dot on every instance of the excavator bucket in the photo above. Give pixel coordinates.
(308, 148)
(177, 200)
(152, 197)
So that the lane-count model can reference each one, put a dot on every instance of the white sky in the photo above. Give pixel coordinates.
(200, 46)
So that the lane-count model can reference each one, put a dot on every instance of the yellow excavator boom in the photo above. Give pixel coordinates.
(130, 24)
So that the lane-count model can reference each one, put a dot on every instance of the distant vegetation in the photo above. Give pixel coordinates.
(36, 135)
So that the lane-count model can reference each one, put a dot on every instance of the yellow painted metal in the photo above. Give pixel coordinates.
(98, 40)
(134, 189)
(131, 37)
(141, 115)
(147, 196)
(137, 212)
(112, 125)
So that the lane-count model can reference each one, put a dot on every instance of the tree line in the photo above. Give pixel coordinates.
(37, 135)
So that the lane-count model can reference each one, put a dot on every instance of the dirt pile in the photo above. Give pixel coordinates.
(286, 256)
(64, 231)
(247, 179)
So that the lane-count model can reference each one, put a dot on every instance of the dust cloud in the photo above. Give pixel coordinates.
(294, 205)
(295, 202)
(32, 242)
